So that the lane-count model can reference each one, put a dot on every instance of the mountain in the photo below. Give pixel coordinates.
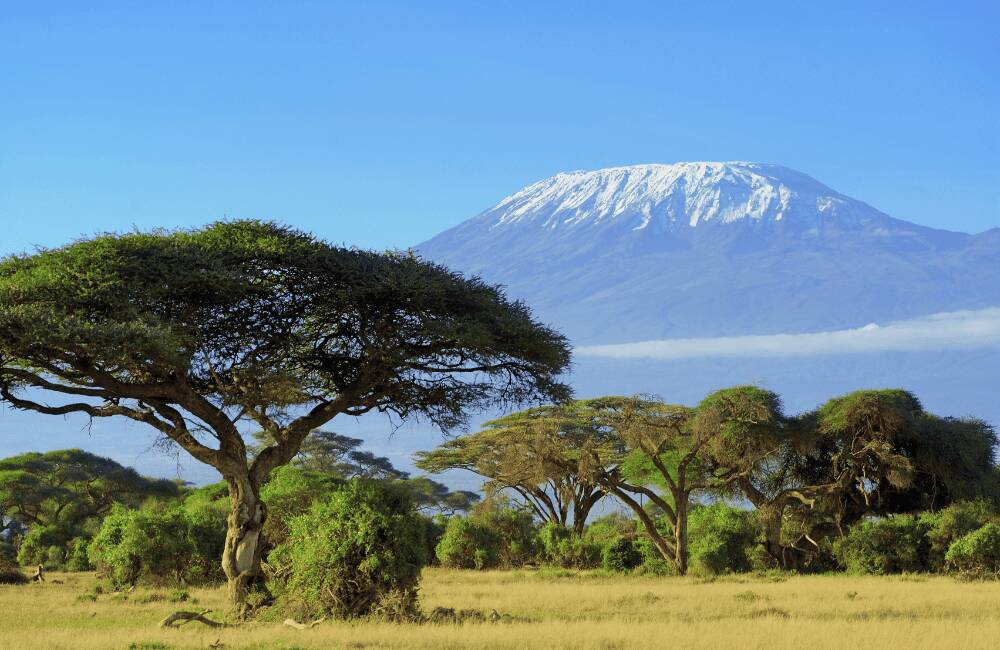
(707, 249)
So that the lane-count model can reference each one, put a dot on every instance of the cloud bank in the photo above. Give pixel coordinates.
(943, 331)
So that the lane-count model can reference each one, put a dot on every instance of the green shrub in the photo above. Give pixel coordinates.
(951, 523)
(76, 557)
(722, 539)
(434, 528)
(514, 526)
(356, 551)
(976, 555)
(883, 546)
(45, 545)
(175, 544)
(565, 548)
(652, 562)
(468, 544)
(621, 555)
(289, 493)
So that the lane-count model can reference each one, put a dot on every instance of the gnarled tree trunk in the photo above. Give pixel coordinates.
(244, 547)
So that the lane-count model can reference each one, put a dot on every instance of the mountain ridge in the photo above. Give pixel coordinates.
(706, 249)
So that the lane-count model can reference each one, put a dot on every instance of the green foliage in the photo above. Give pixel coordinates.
(76, 557)
(289, 493)
(953, 522)
(514, 526)
(136, 307)
(621, 555)
(977, 554)
(468, 544)
(723, 539)
(652, 561)
(740, 425)
(61, 495)
(159, 545)
(564, 547)
(883, 546)
(47, 545)
(330, 453)
(351, 551)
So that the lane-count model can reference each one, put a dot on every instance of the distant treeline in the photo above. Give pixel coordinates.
(869, 481)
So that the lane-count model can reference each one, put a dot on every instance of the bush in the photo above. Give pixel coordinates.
(976, 555)
(722, 539)
(76, 557)
(652, 562)
(289, 493)
(567, 549)
(951, 523)
(10, 572)
(883, 546)
(46, 545)
(172, 545)
(621, 555)
(515, 527)
(468, 544)
(433, 532)
(361, 549)
(496, 534)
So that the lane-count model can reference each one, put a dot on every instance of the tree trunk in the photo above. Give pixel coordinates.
(681, 535)
(241, 556)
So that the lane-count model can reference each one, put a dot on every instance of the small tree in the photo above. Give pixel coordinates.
(640, 447)
(513, 456)
(884, 546)
(195, 332)
(330, 453)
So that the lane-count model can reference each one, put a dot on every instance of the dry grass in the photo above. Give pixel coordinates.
(552, 610)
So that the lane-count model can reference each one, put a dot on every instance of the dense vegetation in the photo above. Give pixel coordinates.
(347, 533)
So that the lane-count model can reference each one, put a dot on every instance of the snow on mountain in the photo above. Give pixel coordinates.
(682, 193)
(707, 249)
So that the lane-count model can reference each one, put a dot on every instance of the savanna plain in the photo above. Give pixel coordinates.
(543, 609)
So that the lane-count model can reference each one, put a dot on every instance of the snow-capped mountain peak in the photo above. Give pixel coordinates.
(690, 193)
(702, 249)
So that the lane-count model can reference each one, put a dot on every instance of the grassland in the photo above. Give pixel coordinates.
(550, 610)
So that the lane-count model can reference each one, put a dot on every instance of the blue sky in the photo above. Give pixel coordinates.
(380, 124)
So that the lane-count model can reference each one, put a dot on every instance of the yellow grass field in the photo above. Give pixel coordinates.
(551, 610)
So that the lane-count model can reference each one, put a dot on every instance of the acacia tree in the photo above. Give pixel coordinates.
(335, 454)
(870, 452)
(58, 495)
(70, 485)
(513, 453)
(669, 453)
(195, 332)
(340, 457)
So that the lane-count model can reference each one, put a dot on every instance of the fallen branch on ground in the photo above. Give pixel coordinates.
(290, 622)
(187, 617)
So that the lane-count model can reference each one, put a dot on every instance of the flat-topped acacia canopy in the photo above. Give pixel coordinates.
(192, 332)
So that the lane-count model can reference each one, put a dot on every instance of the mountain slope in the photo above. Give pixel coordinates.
(705, 249)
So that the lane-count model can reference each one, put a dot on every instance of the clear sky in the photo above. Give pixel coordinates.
(381, 124)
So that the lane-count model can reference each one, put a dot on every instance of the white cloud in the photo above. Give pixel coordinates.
(943, 331)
